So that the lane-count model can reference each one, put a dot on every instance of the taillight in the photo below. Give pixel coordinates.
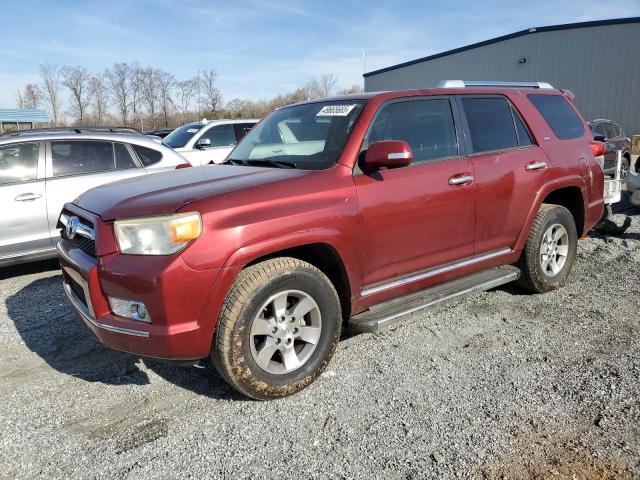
(183, 165)
(596, 147)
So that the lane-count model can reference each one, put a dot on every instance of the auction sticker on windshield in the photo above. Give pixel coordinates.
(335, 110)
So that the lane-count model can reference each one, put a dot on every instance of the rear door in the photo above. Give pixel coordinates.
(416, 217)
(75, 166)
(509, 169)
(23, 216)
(610, 146)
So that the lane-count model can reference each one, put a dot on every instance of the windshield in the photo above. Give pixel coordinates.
(309, 136)
(181, 136)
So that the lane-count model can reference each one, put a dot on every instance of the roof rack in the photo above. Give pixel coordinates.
(492, 83)
(107, 129)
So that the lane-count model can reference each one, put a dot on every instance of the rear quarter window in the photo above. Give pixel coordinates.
(147, 156)
(563, 120)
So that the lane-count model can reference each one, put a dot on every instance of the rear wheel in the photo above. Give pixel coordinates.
(278, 329)
(550, 250)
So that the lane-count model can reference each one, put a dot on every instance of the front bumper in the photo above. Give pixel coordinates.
(181, 301)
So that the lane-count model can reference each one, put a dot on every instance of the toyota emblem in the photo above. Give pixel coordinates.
(72, 227)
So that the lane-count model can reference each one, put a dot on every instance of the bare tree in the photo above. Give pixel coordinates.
(99, 98)
(31, 96)
(166, 81)
(353, 89)
(136, 86)
(118, 83)
(327, 82)
(150, 93)
(19, 99)
(50, 88)
(186, 92)
(76, 79)
(210, 96)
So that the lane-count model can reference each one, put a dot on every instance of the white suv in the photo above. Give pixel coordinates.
(208, 141)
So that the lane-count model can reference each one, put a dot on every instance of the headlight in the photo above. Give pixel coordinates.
(157, 235)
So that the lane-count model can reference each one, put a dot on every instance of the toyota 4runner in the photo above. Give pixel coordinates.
(350, 210)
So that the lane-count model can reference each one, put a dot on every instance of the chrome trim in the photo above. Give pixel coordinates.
(508, 277)
(461, 180)
(85, 288)
(370, 290)
(80, 228)
(87, 318)
(399, 155)
(535, 166)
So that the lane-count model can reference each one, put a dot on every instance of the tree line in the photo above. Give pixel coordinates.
(148, 98)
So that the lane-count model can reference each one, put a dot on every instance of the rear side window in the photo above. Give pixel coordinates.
(18, 163)
(426, 125)
(491, 124)
(147, 156)
(78, 157)
(123, 157)
(559, 115)
(242, 129)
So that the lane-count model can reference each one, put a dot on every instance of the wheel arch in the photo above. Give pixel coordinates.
(569, 194)
(323, 254)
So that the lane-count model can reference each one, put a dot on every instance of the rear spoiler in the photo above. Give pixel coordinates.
(569, 94)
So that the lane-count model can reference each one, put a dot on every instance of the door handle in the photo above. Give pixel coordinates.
(461, 180)
(27, 197)
(535, 166)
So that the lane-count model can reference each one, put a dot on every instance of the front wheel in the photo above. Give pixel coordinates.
(279, 326)
(550, 250)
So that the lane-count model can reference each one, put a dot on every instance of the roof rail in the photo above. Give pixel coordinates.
(107, 129)
(491, 83)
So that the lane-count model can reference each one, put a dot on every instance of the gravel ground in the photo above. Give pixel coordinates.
(500, 385)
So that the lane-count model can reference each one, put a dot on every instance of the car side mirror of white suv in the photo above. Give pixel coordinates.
(203, 143)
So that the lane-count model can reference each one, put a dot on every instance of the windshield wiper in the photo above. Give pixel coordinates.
(233, 161)
(271, 163)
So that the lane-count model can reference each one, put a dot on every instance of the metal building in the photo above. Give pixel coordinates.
(21, 118)
(599, 61)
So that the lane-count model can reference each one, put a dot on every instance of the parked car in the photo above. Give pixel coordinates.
(162, 132)
(208, 141)
(633, 187)
(375, 205)
(42, 170)
(615, 139)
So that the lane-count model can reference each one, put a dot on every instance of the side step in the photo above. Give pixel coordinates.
(386, 313)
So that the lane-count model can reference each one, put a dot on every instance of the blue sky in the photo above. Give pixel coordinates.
(261, 47)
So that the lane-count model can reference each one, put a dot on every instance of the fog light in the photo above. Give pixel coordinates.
(129, 309)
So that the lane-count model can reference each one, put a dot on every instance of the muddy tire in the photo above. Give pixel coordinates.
(278, 328)
(550, 250)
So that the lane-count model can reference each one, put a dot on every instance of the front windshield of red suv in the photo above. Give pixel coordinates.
(308, 136)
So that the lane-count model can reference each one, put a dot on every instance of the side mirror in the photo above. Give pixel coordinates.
(387, 153)
(599, 138)
(203, 143)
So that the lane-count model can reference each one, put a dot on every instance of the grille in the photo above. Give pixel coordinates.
(85, 244)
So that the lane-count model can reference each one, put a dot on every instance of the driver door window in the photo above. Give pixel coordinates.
(220, 136)
(426, 125)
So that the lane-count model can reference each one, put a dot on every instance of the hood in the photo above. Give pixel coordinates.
(166, 192)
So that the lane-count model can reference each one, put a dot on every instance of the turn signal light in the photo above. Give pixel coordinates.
(183, 165)
(596, 147)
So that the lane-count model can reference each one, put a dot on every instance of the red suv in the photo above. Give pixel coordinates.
(355, 209)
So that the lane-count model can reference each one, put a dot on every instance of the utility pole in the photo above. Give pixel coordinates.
(198, 96)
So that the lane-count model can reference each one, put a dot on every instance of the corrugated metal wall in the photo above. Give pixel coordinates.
(601, 65)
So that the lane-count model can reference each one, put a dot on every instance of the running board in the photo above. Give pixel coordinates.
(388, 312)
